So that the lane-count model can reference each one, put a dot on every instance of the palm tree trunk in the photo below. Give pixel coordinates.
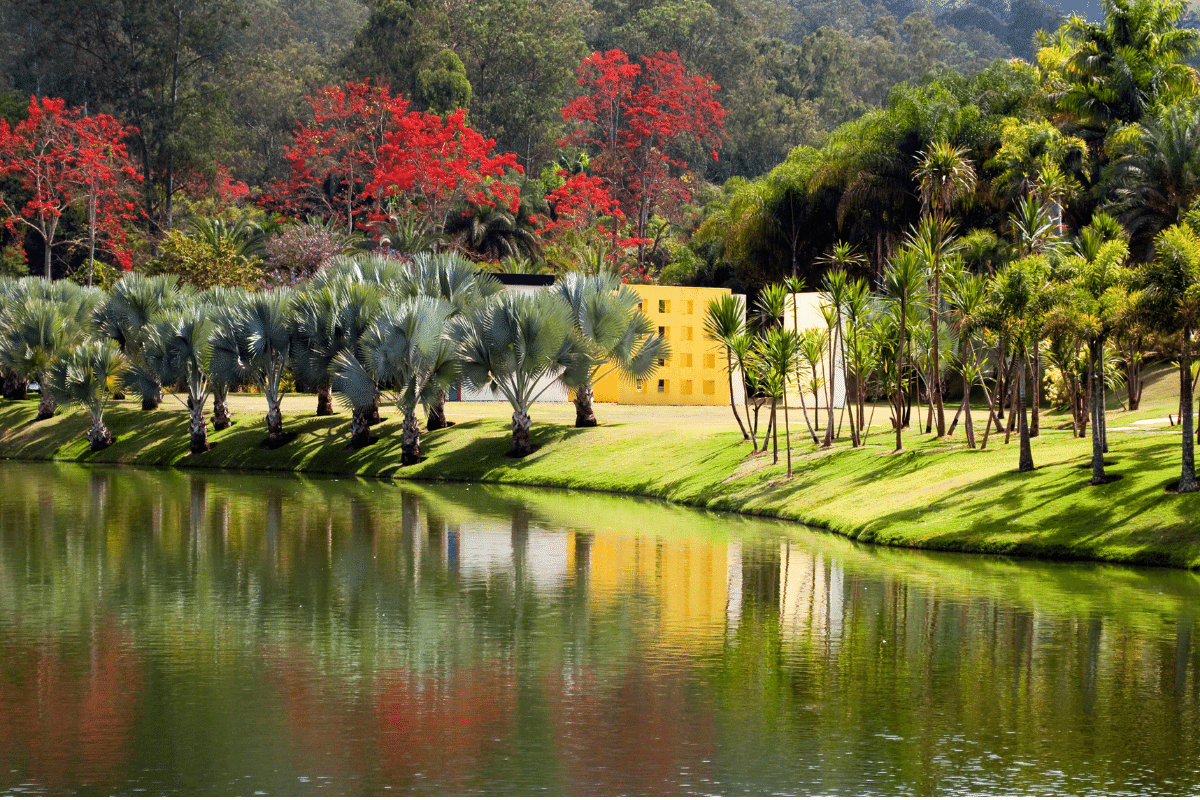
(775, 431)
(410, 438)
(521, 423)
(46, 404)
(732, 402)
(99, 437)
(935, 386)
(1187, 476)
(360, 426)
(15, 388)
(274, 418)
(585, 417)
(804, 407)
(1035, 427)
(787, 429)
(324, 401)
(968, 425)
(152, 401)
(437, 413)
(220, 415)
(1026, 462)
(898, 406)
(197, 426)
(1098, 476)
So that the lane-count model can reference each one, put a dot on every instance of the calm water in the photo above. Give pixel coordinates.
(184, 633)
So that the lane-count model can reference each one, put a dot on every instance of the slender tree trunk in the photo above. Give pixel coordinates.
(787, 429)
(899, 405)
(521, 423)
(585, 416)
(732, 402)
(220, 414)
(1035, 426)
(1098, 476)
(1026, 462)
(324, 401)
(1187, 476)
(935, 387)
(968, 425)
(773, 432)
(804, 408)
(410, 438)
(197, 426)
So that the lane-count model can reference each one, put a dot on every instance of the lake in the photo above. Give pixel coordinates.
(213, 633)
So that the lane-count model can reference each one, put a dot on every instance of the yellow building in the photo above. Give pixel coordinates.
(695, 373)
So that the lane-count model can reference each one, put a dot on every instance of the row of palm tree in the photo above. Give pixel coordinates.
(365, 327)
(1071, 300)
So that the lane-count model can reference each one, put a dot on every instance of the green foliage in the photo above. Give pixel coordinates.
(442, 86)
(201, 263)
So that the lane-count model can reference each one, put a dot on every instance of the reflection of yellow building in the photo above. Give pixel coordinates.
(688, 578)
(695, 374)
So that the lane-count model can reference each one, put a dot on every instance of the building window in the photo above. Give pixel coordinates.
(686, 387)
(710, 387)
(687, 359)
(664, 306)
(639, 385)
(662, 331)
(687, 333)
(662, 362)
(710, 361)
(662, 386)
(639, 305)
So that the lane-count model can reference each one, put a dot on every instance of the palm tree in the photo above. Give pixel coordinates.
(617, 336)
(812, 348)
(43, 320)
(85, 376)
(123, 317)
(493, 233)
(252, 343)
(904, 285)
(178, 349)
(1156, 171)
(1167, 296)
(1015, 298)
(406, 350)
(459, 282)
(724, 319)
(518, 345)
(778, 350)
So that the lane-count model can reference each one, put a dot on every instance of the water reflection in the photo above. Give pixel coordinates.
(210, 633)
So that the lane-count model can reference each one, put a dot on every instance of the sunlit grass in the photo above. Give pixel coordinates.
(934, 494)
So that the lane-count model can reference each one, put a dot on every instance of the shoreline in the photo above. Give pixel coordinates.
(934, 495)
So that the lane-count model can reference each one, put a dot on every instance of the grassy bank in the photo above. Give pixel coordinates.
(936, 494)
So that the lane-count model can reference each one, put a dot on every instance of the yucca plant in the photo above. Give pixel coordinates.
(86, 376)
(405, 352)
(518, 345)
(616, 335)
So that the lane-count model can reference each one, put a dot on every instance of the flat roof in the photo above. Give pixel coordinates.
(522, 279)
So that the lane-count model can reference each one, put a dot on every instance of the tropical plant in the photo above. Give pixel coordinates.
(130, 305)
(725, 319)
(518, 345)
(617, 337)
(86, 376)
(178, 349)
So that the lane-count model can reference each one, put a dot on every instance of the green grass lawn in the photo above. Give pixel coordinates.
(934, 494)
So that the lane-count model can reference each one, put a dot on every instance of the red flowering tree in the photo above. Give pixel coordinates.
(335, 155)
(587, 220)
(435, 164)
(647, 122)
(62, 158)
